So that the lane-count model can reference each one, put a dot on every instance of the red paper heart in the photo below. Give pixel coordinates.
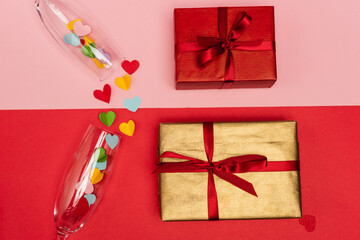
(74, 213)
(82, 41)
(130, 67)
(81, 208)
(103, 95)
(309, 222)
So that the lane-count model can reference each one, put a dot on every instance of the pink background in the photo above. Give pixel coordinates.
(317, 50)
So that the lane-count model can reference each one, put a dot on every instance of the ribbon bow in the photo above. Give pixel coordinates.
(224, 169)
(211, 47)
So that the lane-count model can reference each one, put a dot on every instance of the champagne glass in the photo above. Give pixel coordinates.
(80, 35)
(86, 180)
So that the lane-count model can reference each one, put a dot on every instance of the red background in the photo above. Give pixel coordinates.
(37, 146)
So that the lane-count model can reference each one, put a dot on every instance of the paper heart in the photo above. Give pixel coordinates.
(130, 67)
(103, 95)
(88, 40)
(309, 222)
(86, 50)
(123, 82)
(73, 39)
(81, 207)
(107, 118)
(80, 29)
(91, 198)
(112, 140)
(101, 165)
(127, 128)
(100, 155)
(132, 104)
(98, 63)
(85, 186)
(106, 55)
(96, 176)
(70, 25)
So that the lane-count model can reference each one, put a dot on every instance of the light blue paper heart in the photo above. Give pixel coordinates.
(91, 198)
(73, 39)
(112, 140)
(101, 165)
(132, 104)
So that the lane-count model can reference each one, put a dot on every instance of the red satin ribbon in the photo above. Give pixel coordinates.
(211, 47)
(224, 169)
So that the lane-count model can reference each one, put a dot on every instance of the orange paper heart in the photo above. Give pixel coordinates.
(88, 40)
(96, 176)
(123, 82)
(127, 128)
(70, 25)
(98, 63)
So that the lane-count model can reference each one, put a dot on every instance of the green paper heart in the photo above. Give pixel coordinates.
(86, 50)
(100, 155)
(107, 118)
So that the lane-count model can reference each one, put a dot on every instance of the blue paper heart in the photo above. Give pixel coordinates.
(101, 165)
(73, 39)
(91, 198)
(112, 140)
(132, 104)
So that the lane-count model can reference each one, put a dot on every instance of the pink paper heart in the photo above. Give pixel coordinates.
(89, 188)
(80, 29)
(309, 222)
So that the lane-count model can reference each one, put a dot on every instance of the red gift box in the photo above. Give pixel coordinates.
(225, 47)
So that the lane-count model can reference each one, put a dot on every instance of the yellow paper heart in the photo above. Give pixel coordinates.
(127, 128)
(123, 82)
(70, 25)
(88, 40)
(98, 63)
(96, 176)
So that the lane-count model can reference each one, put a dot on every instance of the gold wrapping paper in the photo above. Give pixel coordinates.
(183, 196)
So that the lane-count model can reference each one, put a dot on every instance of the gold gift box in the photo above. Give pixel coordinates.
(183, 196)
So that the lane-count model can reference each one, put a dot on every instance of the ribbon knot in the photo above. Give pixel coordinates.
(227, 42)
(226, 45)
(210, 166)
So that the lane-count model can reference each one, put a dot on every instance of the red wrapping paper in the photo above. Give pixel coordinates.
(253, 69)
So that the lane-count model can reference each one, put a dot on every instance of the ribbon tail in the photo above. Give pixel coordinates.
(241, 23)
(236, 181)
(209, 54)
(244, 163)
